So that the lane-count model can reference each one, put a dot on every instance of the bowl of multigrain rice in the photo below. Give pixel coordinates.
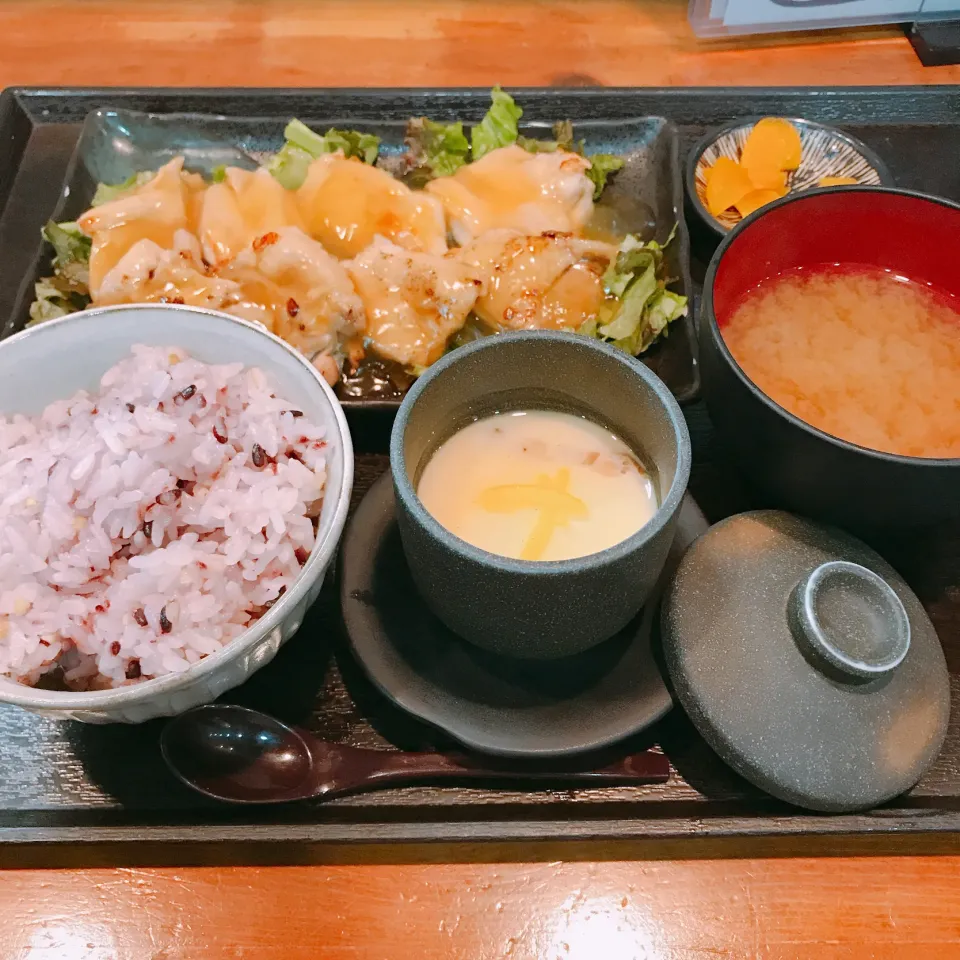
(830, 355)
(173, 485)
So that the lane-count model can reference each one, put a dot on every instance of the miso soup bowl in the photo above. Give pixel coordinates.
(789, 463)
(521, 608)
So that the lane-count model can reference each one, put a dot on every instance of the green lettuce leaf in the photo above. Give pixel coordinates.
(562, 140)
(602, 165)
(106, 192)
(218, 174)
(627, 316)
(67, 290)
(664, 307)
(563, 137)
(641, 307)
(364, 146)
(436, 149)
(55, 300)
(289, 165)
(499, 127)
(71, 251)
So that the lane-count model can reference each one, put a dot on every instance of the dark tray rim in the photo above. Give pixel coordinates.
(917, 97)
(901, 831)
(680, 92)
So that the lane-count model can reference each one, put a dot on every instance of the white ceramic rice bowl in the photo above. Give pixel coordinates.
(53, 360)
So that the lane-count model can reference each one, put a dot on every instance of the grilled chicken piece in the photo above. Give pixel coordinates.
(150, 273)
(291, 285)
(154, 211)
(414, 301)
(243, 207)
(346, 203)
(551, 281)
(511, 188)
(308, 292)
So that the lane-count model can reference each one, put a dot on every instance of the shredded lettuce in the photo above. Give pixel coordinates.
(66, 291)
(364, 146)
(641, 307)
(290, 164)
(71, 249)
(440, 149)
(563, 137)
(562, 140)
(499, 128)
(106, 192)
(437, 149)
(602, 165)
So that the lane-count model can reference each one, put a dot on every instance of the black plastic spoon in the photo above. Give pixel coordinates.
(242, 756)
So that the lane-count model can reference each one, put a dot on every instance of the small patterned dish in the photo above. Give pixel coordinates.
(825, 152)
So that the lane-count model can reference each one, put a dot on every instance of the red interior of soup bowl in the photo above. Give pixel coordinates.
(916, 236)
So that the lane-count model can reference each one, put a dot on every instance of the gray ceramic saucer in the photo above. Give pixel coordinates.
(491, 703)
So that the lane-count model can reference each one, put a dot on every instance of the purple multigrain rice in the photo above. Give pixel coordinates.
(78, 484)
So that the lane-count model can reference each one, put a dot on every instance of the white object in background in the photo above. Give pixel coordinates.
(714, 18)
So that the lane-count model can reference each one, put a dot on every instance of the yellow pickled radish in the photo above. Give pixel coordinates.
(757, 199)
(838, 182)
(768, 179)
(773, 144)
(728, 184)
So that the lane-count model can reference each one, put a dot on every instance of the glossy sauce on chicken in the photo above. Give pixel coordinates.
(346, 204)
(354, 259)
(551, 281)
(414, 301)
(513, 189)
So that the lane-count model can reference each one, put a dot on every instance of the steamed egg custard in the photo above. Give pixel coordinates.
(537, 485)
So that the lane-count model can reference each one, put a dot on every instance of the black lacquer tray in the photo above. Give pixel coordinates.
(72, 793)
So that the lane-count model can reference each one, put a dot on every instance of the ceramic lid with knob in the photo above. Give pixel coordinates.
(806, 662)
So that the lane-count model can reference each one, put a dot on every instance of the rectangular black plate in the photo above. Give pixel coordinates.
(67, 789)
(647, 197)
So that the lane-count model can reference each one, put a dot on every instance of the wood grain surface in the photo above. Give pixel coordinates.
(886, 909)
(778, 908)
(423, 43)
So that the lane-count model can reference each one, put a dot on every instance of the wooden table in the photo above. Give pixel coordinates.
(421, 43)
(881, 907)
(886, 909)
